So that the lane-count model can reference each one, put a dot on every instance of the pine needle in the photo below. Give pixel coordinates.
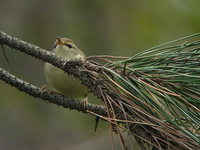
(164, 81)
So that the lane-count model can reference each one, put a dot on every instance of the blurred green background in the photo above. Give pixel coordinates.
(98, 27)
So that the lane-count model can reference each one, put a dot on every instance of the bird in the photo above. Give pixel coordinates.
(63, 83)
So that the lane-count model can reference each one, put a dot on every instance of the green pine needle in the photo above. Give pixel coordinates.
(166, 82)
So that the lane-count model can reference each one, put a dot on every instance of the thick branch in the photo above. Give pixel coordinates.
(69, 67)
(50, 96)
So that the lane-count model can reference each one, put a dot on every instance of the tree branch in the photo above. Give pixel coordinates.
(70, 67)
(90, 75)
(50, 96)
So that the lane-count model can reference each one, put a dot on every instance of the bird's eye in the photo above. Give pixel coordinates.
(55, 45)
(68, 45)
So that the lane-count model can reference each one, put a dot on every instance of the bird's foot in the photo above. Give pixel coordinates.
(84, 102)
(44, 89)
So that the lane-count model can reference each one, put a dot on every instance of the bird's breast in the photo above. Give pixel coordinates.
(64, 83)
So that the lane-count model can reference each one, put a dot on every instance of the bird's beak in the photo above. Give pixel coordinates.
(59, 41)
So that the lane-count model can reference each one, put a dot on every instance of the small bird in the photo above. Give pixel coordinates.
(65, 84)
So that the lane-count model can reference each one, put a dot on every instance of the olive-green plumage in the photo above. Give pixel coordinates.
(57, 78)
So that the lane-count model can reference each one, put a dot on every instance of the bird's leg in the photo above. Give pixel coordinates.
(84, 101)
(45, 88)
